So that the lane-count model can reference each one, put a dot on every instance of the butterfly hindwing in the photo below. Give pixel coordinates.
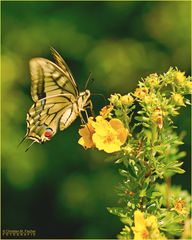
(57, 113)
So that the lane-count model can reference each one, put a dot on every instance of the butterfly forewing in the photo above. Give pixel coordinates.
(63, 65)
(48, 79)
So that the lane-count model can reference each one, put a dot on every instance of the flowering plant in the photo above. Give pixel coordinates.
(137, 129)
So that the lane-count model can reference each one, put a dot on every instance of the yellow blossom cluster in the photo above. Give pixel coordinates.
(155, 101)
(182, 81)
(117, 99)
(146, 228)
(105, 135)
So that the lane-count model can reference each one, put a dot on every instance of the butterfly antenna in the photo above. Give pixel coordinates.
(30, 146)
(101, 95)
(88, 80)
(22, 140)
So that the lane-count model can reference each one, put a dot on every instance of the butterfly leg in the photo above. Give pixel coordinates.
(86, 114)
(91, 109)
(83, 122)
(90, 106)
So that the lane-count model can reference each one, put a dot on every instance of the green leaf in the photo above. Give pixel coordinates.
(146, 125)
(117, 211)
(119, 161)
(123, 172)
(142, 193)
(152, 208)
(181, 155)
(114, 157)
(131, 170)
(175, 167)
(127, 220)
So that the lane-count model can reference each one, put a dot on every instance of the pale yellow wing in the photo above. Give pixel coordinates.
(48, 79)
(63, 65)
(44, 117)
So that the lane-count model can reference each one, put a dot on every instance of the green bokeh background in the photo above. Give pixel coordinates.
(58, 188)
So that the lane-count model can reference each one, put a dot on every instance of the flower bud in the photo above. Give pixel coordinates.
(153, 80)
(188, 85)
(179, 206)
(179, 77)
(157, 117)
(178, 99)
(127, 100)
(114, 99)
(149, 100)
(106, 111)
(141, 92)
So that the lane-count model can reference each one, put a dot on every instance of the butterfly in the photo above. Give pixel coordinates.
(57, 99)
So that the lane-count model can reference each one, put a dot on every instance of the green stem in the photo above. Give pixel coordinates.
(125, 118)
(168, 190)
(153, 140)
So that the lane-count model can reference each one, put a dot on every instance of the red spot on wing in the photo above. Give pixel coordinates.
(48, 133)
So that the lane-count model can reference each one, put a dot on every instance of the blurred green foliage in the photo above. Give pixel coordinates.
(59, 189)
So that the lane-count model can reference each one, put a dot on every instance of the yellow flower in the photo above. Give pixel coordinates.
(109, 135)
(114, 98)
(179, 77)
(140, 230)
(178, 99)
(105, 111)
(145, 229)
(179, 204)
(151, 99)
(148, 99)
(180, 207)
(86, 134)
(188, 85)
(187, 229)
(141, 92)
(153, 80)
(162, 238)
(127, 99)
(104, 135)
